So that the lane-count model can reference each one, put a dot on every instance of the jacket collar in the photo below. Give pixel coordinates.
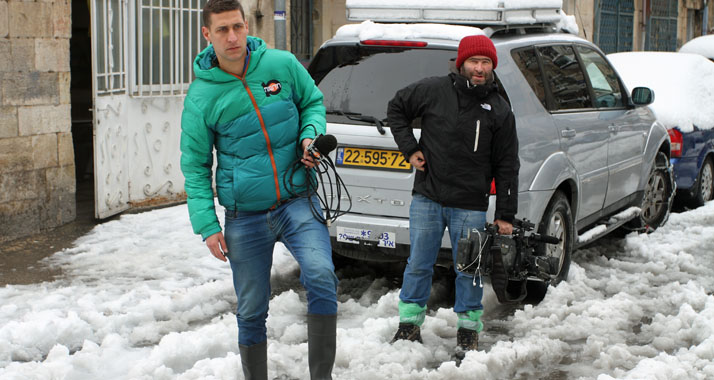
(463, 85)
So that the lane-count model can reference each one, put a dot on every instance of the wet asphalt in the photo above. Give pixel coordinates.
(21, 259)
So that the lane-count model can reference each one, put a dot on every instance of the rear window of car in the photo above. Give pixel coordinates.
(361, 80)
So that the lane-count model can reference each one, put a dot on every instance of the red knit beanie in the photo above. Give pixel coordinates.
(476, 45)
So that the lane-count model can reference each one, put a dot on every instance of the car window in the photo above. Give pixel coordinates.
(564, 77)
(527, 62)
(604, 81)
(362, 79)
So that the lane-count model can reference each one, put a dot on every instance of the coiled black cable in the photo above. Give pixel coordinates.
(324, 177)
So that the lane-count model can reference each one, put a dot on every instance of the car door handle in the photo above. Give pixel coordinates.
(568, 132)
(613, 128)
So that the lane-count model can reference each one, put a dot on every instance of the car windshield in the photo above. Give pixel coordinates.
(361, 80)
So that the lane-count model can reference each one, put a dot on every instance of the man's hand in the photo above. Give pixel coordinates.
(217, 245)
(417, 160)
(307, 160)
(504, 228)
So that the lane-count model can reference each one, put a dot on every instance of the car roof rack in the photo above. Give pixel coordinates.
(492, 13)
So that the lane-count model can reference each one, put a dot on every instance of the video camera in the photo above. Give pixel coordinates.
(508, 260)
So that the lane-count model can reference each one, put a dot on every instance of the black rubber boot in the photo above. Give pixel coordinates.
(408, 331)
(321, 345)
(255, 361)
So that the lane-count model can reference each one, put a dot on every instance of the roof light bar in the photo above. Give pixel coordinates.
(453, 14)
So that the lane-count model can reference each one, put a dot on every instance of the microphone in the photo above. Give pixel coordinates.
(322, 145)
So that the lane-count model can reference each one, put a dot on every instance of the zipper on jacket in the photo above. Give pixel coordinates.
(478, 131)
(265, 134)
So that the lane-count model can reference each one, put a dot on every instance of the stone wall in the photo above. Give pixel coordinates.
(37, 179)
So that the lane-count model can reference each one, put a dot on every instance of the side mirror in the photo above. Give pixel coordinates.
(642, 96)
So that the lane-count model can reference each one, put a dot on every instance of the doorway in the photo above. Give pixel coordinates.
(80, 56)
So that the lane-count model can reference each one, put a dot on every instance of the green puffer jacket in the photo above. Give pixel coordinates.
(255, 123)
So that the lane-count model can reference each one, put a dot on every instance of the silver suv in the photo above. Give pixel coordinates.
(593, 158)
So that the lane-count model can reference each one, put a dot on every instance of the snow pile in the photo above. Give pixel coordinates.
(683, 85)
(144, 299)
(703, 45)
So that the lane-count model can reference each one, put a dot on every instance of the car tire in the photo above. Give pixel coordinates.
(557, 221)
(704, 186)
(658, 196)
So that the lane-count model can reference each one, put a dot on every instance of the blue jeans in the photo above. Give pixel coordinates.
(251, 237)
(427, 220)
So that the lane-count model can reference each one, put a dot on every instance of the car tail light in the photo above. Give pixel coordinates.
(394, 43)
(675, 137)
(493, 187)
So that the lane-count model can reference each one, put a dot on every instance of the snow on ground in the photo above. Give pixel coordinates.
(142, 298)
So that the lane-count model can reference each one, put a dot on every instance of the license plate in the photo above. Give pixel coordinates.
(383, 159)
(354, 235)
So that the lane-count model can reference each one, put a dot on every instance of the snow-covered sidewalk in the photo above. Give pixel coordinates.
(143, 299)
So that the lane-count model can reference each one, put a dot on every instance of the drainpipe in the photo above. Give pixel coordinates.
(644, 30)
(279, 21)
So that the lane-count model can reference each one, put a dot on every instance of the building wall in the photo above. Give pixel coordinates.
(260, 17)
(329, 16)
(37, 179)
(689, 20)
(584, 12)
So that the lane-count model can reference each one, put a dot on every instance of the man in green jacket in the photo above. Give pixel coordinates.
(259, 109)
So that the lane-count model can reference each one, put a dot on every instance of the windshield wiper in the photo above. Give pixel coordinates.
(359, 117)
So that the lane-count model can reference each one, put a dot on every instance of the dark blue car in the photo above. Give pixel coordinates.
(683, 84)
(693, 162)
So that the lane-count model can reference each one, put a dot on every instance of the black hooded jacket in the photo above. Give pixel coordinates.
(468, 138)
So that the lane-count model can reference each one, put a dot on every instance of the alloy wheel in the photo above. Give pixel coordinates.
(556, 228)
(706, 182)
(654, 197)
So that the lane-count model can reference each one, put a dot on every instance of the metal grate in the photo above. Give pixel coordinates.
(662, 26)
(167, 37)
(107, 42)
(615, 25)
(301, 29)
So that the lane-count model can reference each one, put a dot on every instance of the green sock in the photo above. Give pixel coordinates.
(411, 313)
(471, 320)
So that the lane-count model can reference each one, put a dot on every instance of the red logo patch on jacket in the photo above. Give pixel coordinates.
(273, 87)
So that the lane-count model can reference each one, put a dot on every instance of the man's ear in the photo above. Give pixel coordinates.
(206, 34)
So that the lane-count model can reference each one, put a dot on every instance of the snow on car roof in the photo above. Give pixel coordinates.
(368, 30)
(703, 45)
(683, 85)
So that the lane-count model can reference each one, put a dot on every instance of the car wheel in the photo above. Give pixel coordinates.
(704, 187)
(658, 197)
(557, 221)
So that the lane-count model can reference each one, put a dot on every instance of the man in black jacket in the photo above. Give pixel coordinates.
(468, 138)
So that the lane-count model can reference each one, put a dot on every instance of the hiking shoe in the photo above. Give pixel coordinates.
(467, 340)
(408, 331)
